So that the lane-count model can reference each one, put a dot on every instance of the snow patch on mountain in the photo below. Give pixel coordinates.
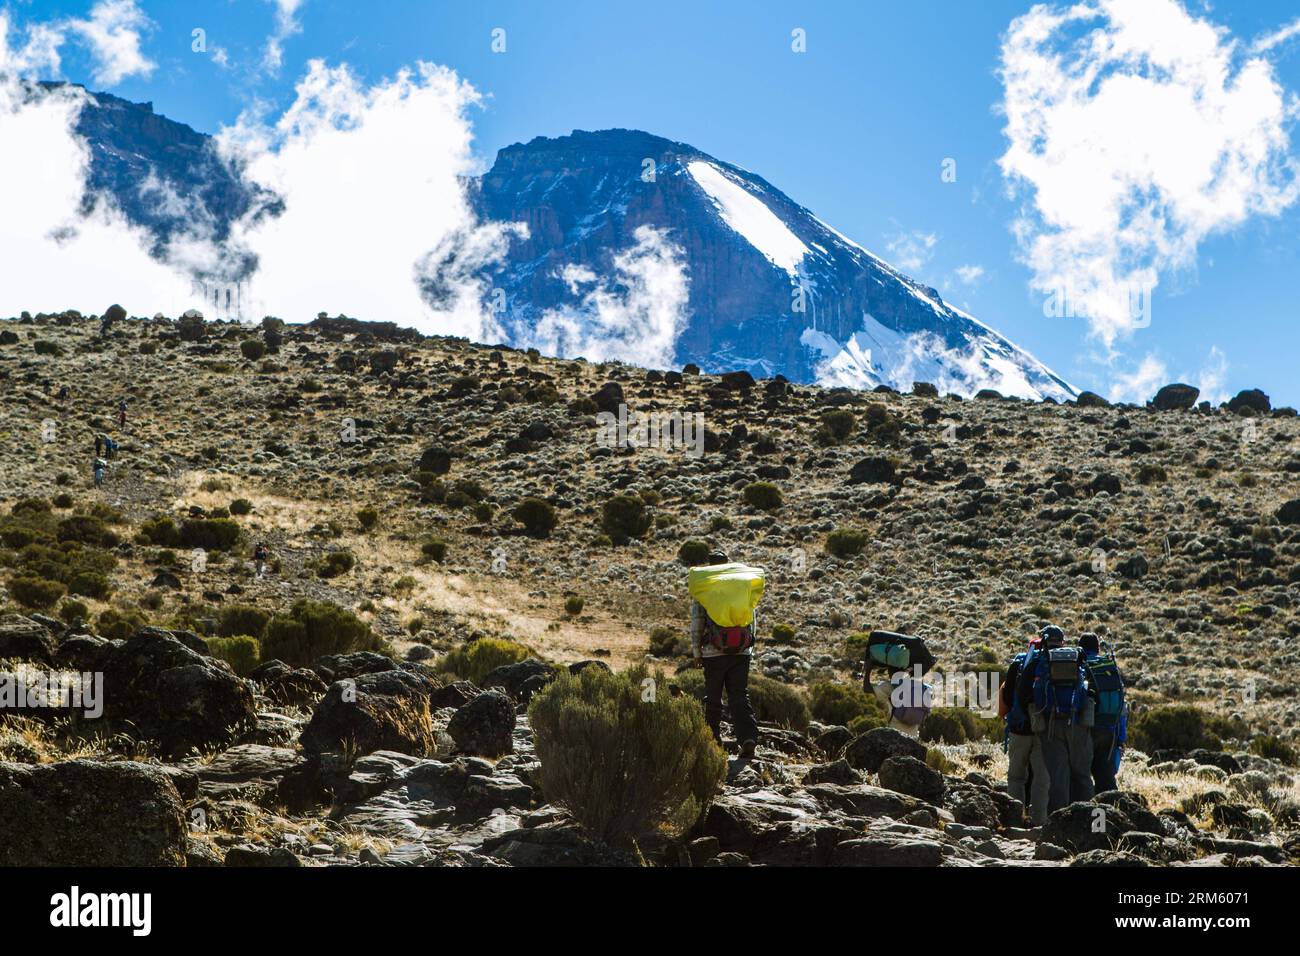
(878, 355)
(748, 215)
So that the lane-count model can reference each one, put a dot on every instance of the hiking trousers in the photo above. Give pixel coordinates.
(729, 672)
(1103, 759)
(1025, 754)
(1067, 752)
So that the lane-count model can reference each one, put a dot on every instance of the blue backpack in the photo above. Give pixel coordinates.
(1110, 690)
(1017, 719)
(1060, 682)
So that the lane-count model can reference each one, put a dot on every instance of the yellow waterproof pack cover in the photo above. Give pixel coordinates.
(728, 592)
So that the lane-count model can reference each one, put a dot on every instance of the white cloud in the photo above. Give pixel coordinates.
(286, 25)
(113, 35)
(1279, 36)
(910, 251)
(969, 275)
(38, 56)
(1140, 384)
(1212, 379)
(1135, 131)
(635, 316)
(53, 257)
(375, 203)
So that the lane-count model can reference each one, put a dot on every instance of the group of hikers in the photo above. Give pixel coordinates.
(1064, 707)
(105, 446)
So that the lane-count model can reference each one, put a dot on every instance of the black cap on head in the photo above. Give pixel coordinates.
(1051, 634)
(718, 557)
(1090, 643)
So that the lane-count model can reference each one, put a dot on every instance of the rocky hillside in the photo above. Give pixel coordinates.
(447, 532)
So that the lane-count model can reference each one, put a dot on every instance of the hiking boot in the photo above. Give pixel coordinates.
(747, 748)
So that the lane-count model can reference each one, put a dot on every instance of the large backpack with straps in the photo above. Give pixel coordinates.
(1060, 682)
(897, 652)
(728, 640)
(1110, 690)
(1017, 719)
(909, 700)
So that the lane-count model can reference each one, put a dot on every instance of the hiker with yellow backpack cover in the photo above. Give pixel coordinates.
(723, 624)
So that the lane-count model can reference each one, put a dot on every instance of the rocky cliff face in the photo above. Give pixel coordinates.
(772, 288)
(163, 175)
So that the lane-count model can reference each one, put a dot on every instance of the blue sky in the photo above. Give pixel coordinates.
(856, 128)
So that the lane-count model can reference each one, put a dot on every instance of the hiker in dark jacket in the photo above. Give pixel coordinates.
(1066, 740)
(1027, 775)
(722, 671)
(1110, 728)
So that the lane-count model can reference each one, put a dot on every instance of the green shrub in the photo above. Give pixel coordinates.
(475, 660)
(241, 507)
(841, 704)
(845, 542)
(668, 642)
(573, 605)
(783, 634)
(335, 563)
(241, 652)
(624, 517)
(236, 619)
(90, 584)
(161, 531)
(625, 767)
(252, 349)
(836, 427)
(118, 625)
(1275, 749)
(855, 647)
(762, 495)
(46, 347)
(869, 721)
(435, 549)
(40, 594)
(86, 529)
(1172, 727)
(71, 611)
(313, 629)
(693, 553)
(1151, 474)
(210, 534)
(537, 516)
(367, 518)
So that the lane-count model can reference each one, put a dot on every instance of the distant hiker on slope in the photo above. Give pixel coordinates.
(1110, 727)
(259, 557)
(1027, 775)
(1055, 687)
(723, 625)
(905, 697)
(121, 414)
(99, 467)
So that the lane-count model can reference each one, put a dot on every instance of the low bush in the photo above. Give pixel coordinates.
(210, 534)
(841, 704)
(39, 594)
(241, 652)
(475, 660)
(537, 516)
(845, 542)
(624, 517)
(625, 767)
(313, 629)
(236, 619)
(763, 495)
(693, 553)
